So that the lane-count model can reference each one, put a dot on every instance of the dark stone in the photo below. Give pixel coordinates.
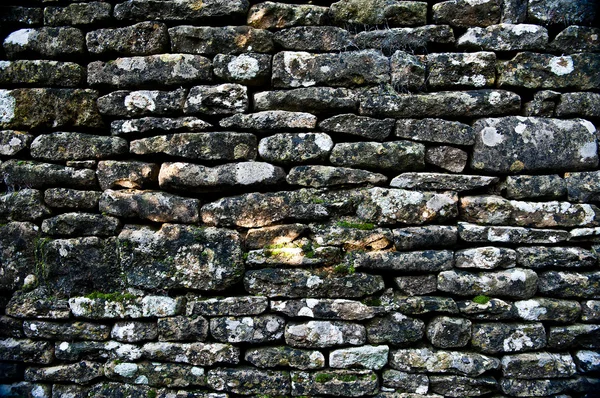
(426, 237)
(539, 257)
(421, 360)
(395, 328)
(495, 338)
(465, 13)
(155, 374)
(539, 365)
(250, 69)
(133, 331)
(250, 329)
(546, 309)
(447, 158)
(80, 373)
(126, 174)
(81, 224)
(447, 332)
(269, 15)
(77, 14)
(416, 285)
(25, 350)
(332, 309)
(199, 354)
(66, 331)
(530, 187)
(76, 146)
(230, 306)
(155, 206)
(182, 328)
(152, 125)
(441, 182)
(27, 173)
(579, 104)
(505, 37)
(143, 102)
(219, 40)
(185, 10)
(313, 38)
(282, 356)
(416, 261)
(392, 156)
(17, 253)
(145, 38)
(574, 336)
(511, 283)
(435, 130)
(317, 100)
(65, 198)
(577, 39)
(562, 12)
(570, 284)
(460, 386)
(347, 383)
(448, 70)
(45, 43)
(378, 12)
(249, 381)
(23, 205)
(407, 39)
(41, 73)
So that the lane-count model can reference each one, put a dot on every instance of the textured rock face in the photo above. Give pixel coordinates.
(351, 198)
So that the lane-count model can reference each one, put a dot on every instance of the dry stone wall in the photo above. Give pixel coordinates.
(213, 198)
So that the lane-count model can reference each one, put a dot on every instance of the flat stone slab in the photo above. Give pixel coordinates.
(208, 40)
(454, 362)
(391, 156)
(512, 283)
(505, 37)
(324, 176)
(137, 103)
(173, 10)
(316, 100)
(441, 182)
(524, 144)
(518, 235)
(76, 146)
(271, 121)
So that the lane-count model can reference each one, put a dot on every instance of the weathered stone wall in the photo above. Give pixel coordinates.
(212, 198)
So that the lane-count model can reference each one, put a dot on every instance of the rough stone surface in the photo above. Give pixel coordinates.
(164, 69)
(425, 237)
(224, 99)
(323, 176)
(374, 129)
(145, 38)
(535, 187)
(572, 142)
(368, 357)
(454, 362)
(141, 102)
(448, 158)
(505, 37)
(538, 365)
(150, 205)
(485, 258)
(391, 156)
(557, 12)
(408, 39)
(579, 104)
(334, 309)
(389, 12)
(78, 14)
(577, 39)
(415, 261)
(315, 100)
(347, 383)
(186, 10)
(478, 233)
(41, 73)
(76, 146)
(465, 13)
(570, 284)
(395, 329)
(441, 182)
(447, 332)
(150, 125)
(24, 205)
(26, 173)
(282, 356)
(511, 283)
(199, 354)
(290, 148)
(494, 338)
(46, 42)
(219, 40)
(313, 38)
(81, 224)
(259, 329)
(435, 130)
(251, 69)
(539, 257)
(271, 121)
(475, 70)
(269, 15)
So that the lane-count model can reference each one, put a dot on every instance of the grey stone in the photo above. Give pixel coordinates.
(126, 174)
(539, 365)
(33, 108)
(529, 187)
(173, 10)
(543, 104)
(395, 328)
(22, 16)
(24, 205)
(271, 121)
(150, 125)
(406, 382)
(275, 283)
(191, 177)
(76, 146)
(374, 129)
(448, 332)
(65, 198)
(496, 210)
(536, 388)
(485, 258)
(249, 381)
(465, 13)
(324, 176)
(224, 99)
(317, 100)
(81, 224)
(142, 102)
(539, 257)
(505, 37)
(252, 330)
(388, 12)
(416, 285)
(346, 69)
(37, 304)
(574, 336)
(258, 210)
(294, 148)
(182, 328)
(447, 70)
(390, 206)
(546, 71)
(477, 233)
(584, 234)
(200, 146)
(460, 386)
(587, 361)
(489, 309)
(426, 237)
(511, 283)
(133, 331)
(445, 104)
(447, 157)
(584, 186)
(297, 254)
(123, 306)
(332, 309)
(435, 130)
(494, 338)
(441, 182)
(454, 362)
(590, 311)
(219, 40)
(313, 38)
(69, 331)
(282, 356)
(145, 38)
(414, 261)
(504, 145)
(419, 305)
(25, 350)
(199, 354)
(258, 238)
(545, 309)
(155, 374)
(96, 351)
(579, 104)
(408, 39)
(269, 15)
(12, 142)
(10, 327)
(163, 69)
(150, 205)
(250, 69)
(27, 173)
(41, 73)
(570, 284)
(577, 39)
(46, 42)
(514, 11)
(352, 236)
(367, 357)
(77, 14)
(392, 156)
(347, 383)
(179, 256)
(80, 373)
(407, 72)
(559, 12)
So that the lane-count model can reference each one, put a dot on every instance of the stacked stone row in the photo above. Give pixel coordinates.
(212, 198)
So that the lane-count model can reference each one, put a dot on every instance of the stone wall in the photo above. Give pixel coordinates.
(212, 198)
